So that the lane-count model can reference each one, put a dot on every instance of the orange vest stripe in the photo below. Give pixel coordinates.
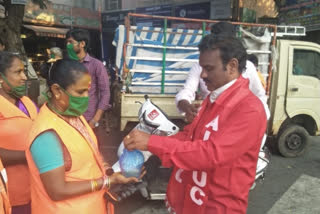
(5, 207)
(14, 129)
(86, 165)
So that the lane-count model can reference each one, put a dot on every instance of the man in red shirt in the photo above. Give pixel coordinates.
(214, 158)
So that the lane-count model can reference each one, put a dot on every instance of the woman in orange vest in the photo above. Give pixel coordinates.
(67, 172)
(16, 115)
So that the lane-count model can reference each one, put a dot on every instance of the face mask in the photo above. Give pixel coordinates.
(18, 91)
(72, 54)
(77, 106)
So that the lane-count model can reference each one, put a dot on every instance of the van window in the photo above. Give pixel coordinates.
(306, 62)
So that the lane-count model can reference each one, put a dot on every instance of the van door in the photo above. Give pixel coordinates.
(303, 85)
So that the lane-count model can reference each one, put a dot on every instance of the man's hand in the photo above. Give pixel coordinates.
(92, 124)
(191, 110)
(136, 140)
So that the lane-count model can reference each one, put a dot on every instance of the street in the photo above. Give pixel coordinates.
(291, 185)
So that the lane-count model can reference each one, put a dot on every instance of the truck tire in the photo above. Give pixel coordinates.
(293, 141)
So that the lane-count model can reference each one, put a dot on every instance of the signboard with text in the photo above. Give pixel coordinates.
(299, 12)
(161, 10)
(23, 2)
(194, 11)
(221, 9)
(111, 20)
(63, 15)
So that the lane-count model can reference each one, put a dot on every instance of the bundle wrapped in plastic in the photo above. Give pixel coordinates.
(131, 163)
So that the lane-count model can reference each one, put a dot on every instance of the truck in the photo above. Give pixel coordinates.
(155, 61)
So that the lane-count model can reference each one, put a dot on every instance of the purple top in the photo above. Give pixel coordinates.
(99, 93)
(22, 107)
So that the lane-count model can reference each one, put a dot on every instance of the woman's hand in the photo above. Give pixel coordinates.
(118, 178)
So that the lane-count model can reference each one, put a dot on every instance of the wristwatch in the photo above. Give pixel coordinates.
(96, 124)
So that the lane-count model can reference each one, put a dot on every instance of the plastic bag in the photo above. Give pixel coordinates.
(131, 163)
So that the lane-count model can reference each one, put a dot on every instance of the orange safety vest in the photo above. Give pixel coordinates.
(86, 165)
(5, 207)
(14, 129)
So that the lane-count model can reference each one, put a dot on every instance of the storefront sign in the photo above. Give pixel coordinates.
(194, 11)
(111, 20)
(64, 15)
(304, 13)
(220, 9)
(162, 10)
(23, 2)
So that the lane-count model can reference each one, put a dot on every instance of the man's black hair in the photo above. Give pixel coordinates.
(223, 29)
(229, 47)
(79, 35)
(1, 42)
(254, 59)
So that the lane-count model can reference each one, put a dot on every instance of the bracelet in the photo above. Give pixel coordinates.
(94, 185)
(108, 182)
(105, 181)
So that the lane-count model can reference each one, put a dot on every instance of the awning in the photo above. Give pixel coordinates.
(48, 31)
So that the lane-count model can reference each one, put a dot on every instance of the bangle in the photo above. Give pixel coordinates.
(105, 182)
(94, 185)
(108, 182)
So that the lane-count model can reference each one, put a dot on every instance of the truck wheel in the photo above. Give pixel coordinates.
(293, 141)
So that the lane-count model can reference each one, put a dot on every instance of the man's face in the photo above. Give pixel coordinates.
(77, 46)
(213, 72)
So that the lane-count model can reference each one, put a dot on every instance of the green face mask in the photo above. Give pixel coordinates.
(77, 106)
(18, 91)
(72, 54)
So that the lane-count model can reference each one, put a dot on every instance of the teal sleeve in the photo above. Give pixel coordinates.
(47, 152)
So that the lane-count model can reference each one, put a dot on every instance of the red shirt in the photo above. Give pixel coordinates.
(215, 157)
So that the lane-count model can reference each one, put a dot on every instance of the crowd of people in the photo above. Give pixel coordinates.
(50, 159)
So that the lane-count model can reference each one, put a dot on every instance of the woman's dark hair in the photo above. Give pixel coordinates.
(229, 47)
(79, 35)
(6, 59)
(65, 72)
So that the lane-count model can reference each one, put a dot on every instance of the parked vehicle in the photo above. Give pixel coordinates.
(156, 61)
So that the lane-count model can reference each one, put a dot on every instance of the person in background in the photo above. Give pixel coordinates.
(67, 170)
(2, 45)
(254, 59)
(185, 96)
(54, 54)
(17, 112)
(99, 93)
(214, 158)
